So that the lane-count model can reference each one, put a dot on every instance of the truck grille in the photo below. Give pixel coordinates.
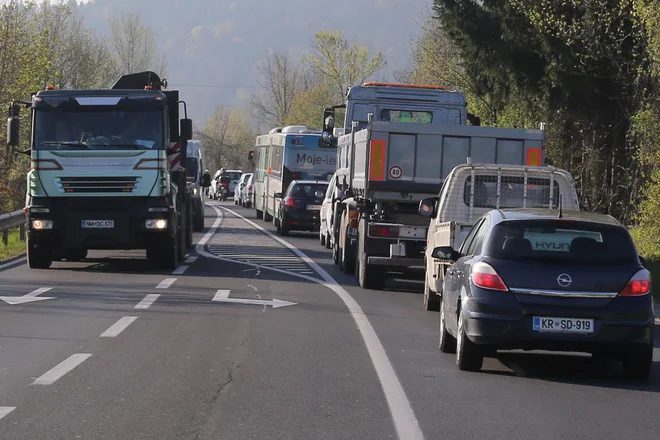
(98, 184)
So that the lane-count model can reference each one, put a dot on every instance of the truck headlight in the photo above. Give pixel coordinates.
(40, 225)
(156, 224)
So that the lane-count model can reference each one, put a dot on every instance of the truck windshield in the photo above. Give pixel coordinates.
(98, 129)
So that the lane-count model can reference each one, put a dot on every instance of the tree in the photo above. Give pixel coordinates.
(307, 107)
(282, 79)
(227, 139)
(340, 64)
(133, 45)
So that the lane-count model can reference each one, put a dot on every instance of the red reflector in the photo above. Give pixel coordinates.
(383, 231)
(484, 276)
(250, 188)
(225, 185)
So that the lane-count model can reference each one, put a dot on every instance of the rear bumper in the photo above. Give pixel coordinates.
(503, 323)
(396, 261)
(129, 215)
(302, 220)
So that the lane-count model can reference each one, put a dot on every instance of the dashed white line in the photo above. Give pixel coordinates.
(221, 294)
(167, 282)
(61, 369)
(191, 260)
(180, 270)
(118, 327)
(147, 301)
(5, 410)
(405, 422)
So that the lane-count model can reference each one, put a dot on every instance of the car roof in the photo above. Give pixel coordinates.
(553, 214)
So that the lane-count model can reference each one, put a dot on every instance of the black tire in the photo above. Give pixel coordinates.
(198, 220)
(260, 214)
(431, 300)
(328, 243)
(38, 258)
(638, 362)
(267, 217)
(169, 256)
(469, 356)
(321, 238)
(335, 253)
(347, 257)
(76, 254)
(446, 342)
(283, 227)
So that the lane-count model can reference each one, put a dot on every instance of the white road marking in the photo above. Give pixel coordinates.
(405, 422)
(167, 282)
(28, 297)
(118, 327)
(191, 260)
(147, 301)
(180, 270)
(5, 410)
(221, 294)
(252, 287)
(63, 368)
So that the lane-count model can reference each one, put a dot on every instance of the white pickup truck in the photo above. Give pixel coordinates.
(460, 204)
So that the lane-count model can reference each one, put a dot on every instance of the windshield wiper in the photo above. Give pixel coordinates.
(82, 145)
(131, 146)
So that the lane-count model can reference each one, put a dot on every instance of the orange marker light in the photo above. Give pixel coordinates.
(533, 157)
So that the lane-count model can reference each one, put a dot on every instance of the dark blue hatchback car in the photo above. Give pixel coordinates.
(534, 279)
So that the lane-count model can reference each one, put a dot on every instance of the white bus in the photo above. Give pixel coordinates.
(286, 154)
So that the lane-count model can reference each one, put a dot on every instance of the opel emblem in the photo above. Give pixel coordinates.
(564, 280)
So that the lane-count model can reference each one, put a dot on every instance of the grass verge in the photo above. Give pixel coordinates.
(14, 247)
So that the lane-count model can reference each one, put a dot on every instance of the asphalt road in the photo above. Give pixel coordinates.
(124, 351)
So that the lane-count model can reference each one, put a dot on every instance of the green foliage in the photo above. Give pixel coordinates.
(307, 107)
(14, 246)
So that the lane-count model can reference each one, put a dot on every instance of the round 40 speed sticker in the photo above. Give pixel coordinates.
(395, 172)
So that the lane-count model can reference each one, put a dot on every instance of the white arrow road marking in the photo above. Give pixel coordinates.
(167, 282)
(118, 327)
(49, 377)
(274, 303)
(28, 297)
(147, 301)
(5, 410)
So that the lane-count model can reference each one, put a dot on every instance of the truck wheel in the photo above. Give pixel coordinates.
(469, 356)
(188, 232)
(169, 256)
(260, 214)
(267, 217)
(198, 222)
(38, 258)
(328, 244)
(369, 276)
(431, 300)
(335, 253)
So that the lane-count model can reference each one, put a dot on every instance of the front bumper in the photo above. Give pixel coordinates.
(128, 214)
(499, 320)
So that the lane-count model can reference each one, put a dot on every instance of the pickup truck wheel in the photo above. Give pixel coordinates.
(431, 300)
(469, 356)
(447, 343)
(38, 258)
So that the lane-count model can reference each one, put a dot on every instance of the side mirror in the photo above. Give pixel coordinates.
(427, 206)
(13, 130)
(186, 130)
(329, 120)
(250, 155)
(278, 195)
(206, 180)
(319, 194)
(445, 253)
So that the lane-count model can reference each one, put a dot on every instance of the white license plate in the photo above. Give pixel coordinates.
(352, 231)
(563, 325)
(98, 224)
(412, 232)
(313, 207)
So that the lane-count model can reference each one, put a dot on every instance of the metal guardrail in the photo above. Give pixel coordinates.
(12, 220)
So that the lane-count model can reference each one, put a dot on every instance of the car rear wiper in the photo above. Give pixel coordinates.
(81, 145)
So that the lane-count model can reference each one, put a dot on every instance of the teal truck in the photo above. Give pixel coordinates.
(106, 171)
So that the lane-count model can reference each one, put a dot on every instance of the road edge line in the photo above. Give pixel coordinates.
(405, 422)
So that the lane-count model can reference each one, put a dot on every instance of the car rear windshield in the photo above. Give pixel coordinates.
(561, 241)
(233, 176)
(307, 190)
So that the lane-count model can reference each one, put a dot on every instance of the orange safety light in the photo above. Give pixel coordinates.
(377, 160)
(410, 86)
(148, 87)
(270, 170)
(534, 157)
(50, 87)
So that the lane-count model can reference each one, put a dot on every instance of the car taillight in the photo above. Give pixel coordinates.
(382, 230)
(483, 275)
(638, 285)
(225, 185)
(290, 202)
(250, 188)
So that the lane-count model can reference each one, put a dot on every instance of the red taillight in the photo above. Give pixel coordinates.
(638, 285)
(250, 188)
(225, 185)
(353, 223)
(484, 276)
(382, 230)
(290, 202)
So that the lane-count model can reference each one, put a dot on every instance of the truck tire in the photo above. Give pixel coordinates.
(431, 299)
(260, 214)
(198, 220)
(347, 262)
(369, 276)
(335, 253)
(169, 256)
(38, 258)
(267, 217)
(328, 244)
